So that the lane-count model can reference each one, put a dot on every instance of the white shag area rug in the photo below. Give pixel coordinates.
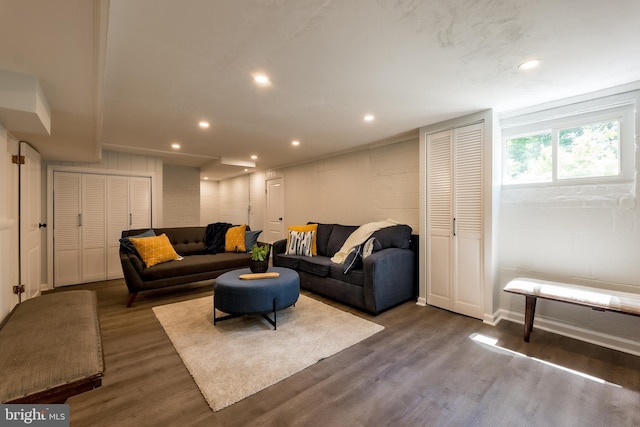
(241, 356)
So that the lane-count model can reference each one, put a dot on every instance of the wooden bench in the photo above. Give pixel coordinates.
(51, 349)
(595, 298)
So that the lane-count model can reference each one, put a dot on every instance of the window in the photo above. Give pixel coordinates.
(582, 148)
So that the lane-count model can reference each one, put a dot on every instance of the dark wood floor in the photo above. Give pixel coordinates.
(424, 369)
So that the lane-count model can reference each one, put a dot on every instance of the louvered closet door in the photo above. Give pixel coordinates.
(93, 228)
(128, 207)
(467, 202)
(117, 221)
(439, 220)
(140, 202)
(66, 232)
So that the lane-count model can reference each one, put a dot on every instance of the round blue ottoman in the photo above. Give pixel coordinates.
(237, 297)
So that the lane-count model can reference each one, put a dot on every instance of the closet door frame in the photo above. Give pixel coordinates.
(58, 168)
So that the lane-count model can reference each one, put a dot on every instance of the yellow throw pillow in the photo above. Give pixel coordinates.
(154, 250)
(234, 239)
(304, 228)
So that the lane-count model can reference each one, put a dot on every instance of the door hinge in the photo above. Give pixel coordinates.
(18, 289)
(18, 160)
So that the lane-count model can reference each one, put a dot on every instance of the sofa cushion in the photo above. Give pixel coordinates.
(154, 250)
(287, 261)
(185, 240)
(354, 277)
(397, 236)
(339, 234)
(194, 264)
(317, 265)
(322, 238)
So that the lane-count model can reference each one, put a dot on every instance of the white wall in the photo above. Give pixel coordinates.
(354, 188)
(238, 200)
(181, 193)
(583, 234)
(209, 212)
(257, 199)
(9, 272)
(234, 200)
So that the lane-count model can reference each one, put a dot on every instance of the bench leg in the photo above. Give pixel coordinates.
(529, 313)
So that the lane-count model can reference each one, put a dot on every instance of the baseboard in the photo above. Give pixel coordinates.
(422, 302)
(571, 331)
(495, 318)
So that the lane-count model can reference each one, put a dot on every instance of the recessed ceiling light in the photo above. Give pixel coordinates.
(175, 146)
(254, 157)
(203, 124)
(369, 118)
(529, 64)
(206, 178)
(261, 79)
(295, 143)
(246, 170)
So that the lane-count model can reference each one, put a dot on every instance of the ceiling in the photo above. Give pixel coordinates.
(137, 76)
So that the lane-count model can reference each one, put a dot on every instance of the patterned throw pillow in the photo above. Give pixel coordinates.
(304, 228)
(154, 250)
(234, 239)
(299, 243)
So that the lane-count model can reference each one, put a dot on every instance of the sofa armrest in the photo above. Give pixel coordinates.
(279, 247)
(132, 270)
(389, 278)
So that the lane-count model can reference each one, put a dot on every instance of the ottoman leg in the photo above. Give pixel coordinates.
(214, 309)
(275, 319)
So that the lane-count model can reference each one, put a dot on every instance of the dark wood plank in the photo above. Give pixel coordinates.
(423, 369)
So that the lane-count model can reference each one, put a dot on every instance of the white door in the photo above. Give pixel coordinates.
(128, 207)
(454, 220)
(30, 230)
(439, 220)
(93, 228)
(66, 228)
(139, 202)
(275, 210)
(117, 221)
(468, 201)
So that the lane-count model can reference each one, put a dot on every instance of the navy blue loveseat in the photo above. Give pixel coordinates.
(386, 278)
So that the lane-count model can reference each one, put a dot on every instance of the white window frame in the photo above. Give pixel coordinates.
(585, 113)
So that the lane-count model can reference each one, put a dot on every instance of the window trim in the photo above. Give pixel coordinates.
(572, 116)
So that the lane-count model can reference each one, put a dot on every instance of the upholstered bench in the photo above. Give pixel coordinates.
(236, 296)
(596, 298)
(51, 349)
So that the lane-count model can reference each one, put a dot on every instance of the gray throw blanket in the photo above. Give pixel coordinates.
(214, 237)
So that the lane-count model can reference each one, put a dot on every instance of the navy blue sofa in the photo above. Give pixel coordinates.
(387, 277)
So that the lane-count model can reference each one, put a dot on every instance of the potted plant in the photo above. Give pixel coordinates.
(260, 258)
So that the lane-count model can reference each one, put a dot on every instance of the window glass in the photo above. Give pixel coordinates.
(529, 159)
(589, 151)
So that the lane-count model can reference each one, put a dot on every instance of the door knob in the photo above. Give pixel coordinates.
(41, 225)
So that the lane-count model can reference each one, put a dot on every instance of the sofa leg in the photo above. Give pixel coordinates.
(132, 298)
